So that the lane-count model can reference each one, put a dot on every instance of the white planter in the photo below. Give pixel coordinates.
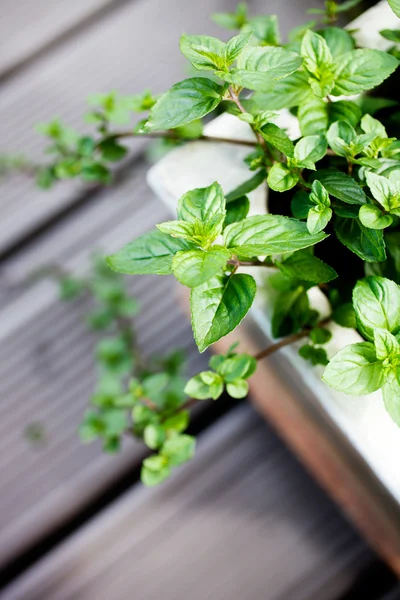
(363, 420)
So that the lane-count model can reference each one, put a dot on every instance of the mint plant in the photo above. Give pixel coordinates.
(333, 220)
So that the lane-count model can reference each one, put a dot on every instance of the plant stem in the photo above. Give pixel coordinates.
(236, 100)
(286, 341)
(169, 135)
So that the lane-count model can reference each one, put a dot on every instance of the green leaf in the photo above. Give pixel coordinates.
(205, 385)
(310, 149)
(339, 136)
(240, 366)
(319, 335)
(194, 267)
(219, 305)
(391, 389)
(381, 189)
(318, 218)
(386, 345)
(278, 138)
(288, 92)
(202, 204)
(232, 20)
(315, 52)
(269, 234)
(339, 40)
(238, 389)
(376, 302)
(154, 471)
(341, 186)
(301, 204)
(111, 150)
(344, 315)
(235, 47)
(313, 115)
(258, 68)
(179, 449)
(291, 312)
(186, 101)
(319, 195)
(154, 436)
(355, 370)
(395, 6)
(204, 52)
(281, 178)
(368, 244)
(152, 253)
(237, 210)
(265, 28)
(303, 265)
(393, 35)
(344, 110)
(361, 70)
(177, 423)
(247, 186)
(316, 356)
(371, 216)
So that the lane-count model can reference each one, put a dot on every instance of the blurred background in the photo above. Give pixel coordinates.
(242, 521)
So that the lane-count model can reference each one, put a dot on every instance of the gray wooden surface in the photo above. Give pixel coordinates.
(242, 521)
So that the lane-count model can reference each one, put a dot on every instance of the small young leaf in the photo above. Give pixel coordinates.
(235, 47)
(386, 345)
(319, 335)
(376, 302)
(151, 253)
(179, 449)
(238, 388)
(371, 216)
(205, 385)
(355, 370)
(201, 204)
(310, 149)
(204, 52)
(345, 316)
(194, 267)
(219, 305)
(315, 52)
(281, 178)
(278, 138)
(316, 356)
(393, 35)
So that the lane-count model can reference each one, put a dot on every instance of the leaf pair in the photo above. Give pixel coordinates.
(368, 366)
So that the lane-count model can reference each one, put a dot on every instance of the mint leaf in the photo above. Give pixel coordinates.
(339, 41)
(202, 204)
(318, 218)
(341, 186)
(194, 267)
(344, 315)
(268, 234)
(393, 35)
(381, 189)
(391, 390)
(258, 68)
(316, 53)
(281, 178)
(186, 101)
(367, 243)
(151, 253)
(265, 29)
(386, 345)
(303, 265)
(288, 92)
(203, 51)
(395, 6)
(316, 356)
(355, 370)
(371, 216)
(205, 385)
(178, 449)
(309, 150)
(376, 302)
(361, 70)
(235, 47)
(237, 210)
(313, 115)
(339, 136)
(219, 305)
(238, 389)
(278, 138)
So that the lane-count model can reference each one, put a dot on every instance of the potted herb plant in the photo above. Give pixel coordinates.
(327, 249)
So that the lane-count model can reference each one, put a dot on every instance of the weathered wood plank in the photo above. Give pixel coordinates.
(25, 30)
(242, 520)
(46, 367)
(127, 52)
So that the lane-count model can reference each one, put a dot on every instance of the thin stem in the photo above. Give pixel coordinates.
(236, 100)
(286, 341)
(169, 135)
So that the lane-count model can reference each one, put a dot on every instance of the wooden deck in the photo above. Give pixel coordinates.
(243, 520)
